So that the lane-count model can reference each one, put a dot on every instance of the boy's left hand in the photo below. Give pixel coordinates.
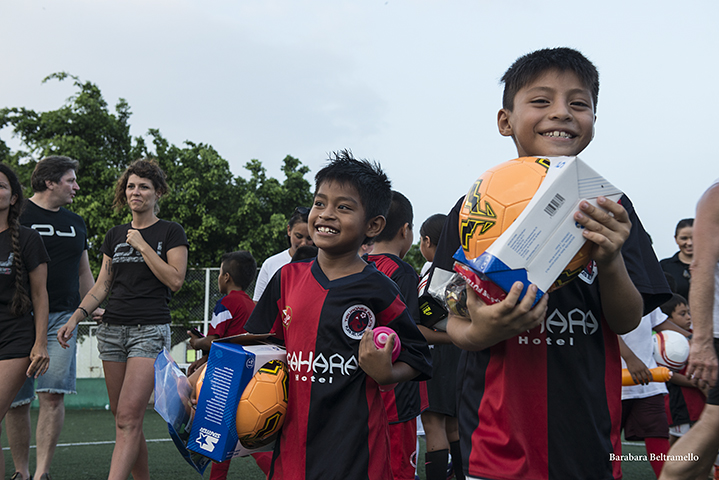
(376, 362)
(607, 227)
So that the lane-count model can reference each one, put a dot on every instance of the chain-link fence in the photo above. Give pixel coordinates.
(191, 306)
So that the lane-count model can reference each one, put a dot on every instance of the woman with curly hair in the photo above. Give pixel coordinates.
(144, 261)
(24, 304)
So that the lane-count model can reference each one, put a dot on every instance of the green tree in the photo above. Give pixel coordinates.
(84, 129)
(220, 212)
(414, 257)
(268, 205)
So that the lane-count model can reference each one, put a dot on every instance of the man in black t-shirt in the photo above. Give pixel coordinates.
(69, 278)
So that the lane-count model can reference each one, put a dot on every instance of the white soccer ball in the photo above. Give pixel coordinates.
(671, 349)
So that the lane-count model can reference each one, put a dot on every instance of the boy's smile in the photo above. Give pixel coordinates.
(552, 116)
(337, 219)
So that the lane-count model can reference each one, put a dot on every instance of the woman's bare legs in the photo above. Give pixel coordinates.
(129, 386)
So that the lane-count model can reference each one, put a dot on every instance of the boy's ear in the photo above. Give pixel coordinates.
(375, 226)
(505, 128)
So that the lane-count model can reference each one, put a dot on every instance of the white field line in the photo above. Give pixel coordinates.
(106, 442)
(110, 442)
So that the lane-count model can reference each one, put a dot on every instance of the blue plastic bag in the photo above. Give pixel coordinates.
(172, 402)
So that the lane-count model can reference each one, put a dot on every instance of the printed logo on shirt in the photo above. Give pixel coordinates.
(356, 320)
(124, 253)
(6, 266)
(47, 230)
(317, 368)
(286, 316)
(589, 273)
(560, 329)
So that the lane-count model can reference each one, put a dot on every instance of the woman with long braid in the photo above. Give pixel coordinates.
(23, 295)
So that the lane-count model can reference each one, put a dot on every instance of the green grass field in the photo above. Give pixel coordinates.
(86, 443)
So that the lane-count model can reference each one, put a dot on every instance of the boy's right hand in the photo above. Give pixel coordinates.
(194, 366)
(193, 339)
(491, 324)
(640, 373)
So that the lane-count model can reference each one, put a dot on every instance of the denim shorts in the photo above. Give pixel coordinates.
(60, 376)
(117, 343)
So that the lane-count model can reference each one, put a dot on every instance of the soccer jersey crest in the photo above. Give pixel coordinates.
(356, 320)
(286, 316)
(589, 273)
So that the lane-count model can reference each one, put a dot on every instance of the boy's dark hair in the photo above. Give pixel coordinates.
(143, 168)
(241, 266)
(669, 306)
(371, 183)
(432, 227)
(52, 169)
(684, 222)
(304, 252)
(527, 68)
(399, 213)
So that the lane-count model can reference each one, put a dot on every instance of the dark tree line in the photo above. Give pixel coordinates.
(219, 211)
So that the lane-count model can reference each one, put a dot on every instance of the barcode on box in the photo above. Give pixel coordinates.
(554, 205)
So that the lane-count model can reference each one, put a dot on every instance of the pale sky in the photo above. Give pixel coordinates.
(411, 84)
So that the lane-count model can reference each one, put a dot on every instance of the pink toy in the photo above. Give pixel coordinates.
(381, 337)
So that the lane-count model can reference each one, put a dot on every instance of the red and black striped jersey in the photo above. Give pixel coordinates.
(408, 399)
(546, 404)
(336, 425)
(683, 404)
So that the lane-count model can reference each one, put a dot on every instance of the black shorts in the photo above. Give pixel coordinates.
(17, 337)
(713, 398)
(644, 418)
(442, 388)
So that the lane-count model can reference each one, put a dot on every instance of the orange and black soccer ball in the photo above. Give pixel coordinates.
(496, 199)
(263, 405)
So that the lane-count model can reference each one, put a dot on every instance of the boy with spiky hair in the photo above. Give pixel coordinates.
(540, 395)
(324, 309)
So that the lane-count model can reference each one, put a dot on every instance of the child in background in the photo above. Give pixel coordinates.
(237, 271)
(440, 419)
(429, 234)
(297, 236)
(324, 311)
(685, 401)
(643, 414)
(562, 355)
(407, 400)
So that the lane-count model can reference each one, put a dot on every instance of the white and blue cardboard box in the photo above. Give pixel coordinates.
(230, 367)
(545, 237)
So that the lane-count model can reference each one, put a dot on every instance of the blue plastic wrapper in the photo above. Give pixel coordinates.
(172, 402)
